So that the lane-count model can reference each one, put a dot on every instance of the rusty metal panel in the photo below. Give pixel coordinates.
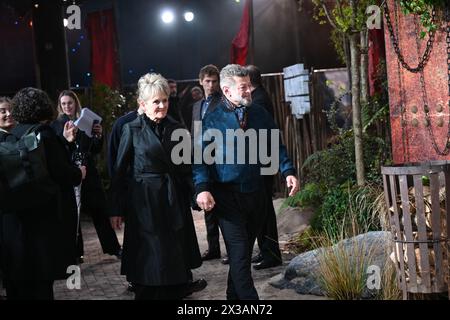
(411, 137)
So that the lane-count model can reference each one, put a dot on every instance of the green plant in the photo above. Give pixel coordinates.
(334, 166)
(310, 195)
(348, 211)
(342, 269)
(109, 104)
(389, 289)
(423, 8)
(304, 241)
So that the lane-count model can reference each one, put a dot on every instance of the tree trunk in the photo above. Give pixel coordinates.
(356, 108)
(356, 95)
(364, 66)
(346, 46)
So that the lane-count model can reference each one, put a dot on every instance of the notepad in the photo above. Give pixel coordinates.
(86, 121)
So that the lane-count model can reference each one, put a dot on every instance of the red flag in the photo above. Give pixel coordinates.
(239, 45)
(376, 54)
(104, 59)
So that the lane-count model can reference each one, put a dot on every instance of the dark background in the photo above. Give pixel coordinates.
(283, 36)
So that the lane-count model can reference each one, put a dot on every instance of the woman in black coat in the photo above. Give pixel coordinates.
(40, 244)
(84, 149)
(152, 194)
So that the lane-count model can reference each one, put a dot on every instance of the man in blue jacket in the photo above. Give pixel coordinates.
(231, 186)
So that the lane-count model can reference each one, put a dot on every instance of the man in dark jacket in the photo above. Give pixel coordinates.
(270, 255)
(209, 80)
(231, 188)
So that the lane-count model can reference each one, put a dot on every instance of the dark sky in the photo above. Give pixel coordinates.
(283, 36)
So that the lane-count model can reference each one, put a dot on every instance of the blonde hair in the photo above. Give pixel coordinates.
(73, 95)
(151, 84)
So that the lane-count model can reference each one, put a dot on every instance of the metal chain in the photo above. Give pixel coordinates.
(426, 108)
(426, 56)
(402, 94)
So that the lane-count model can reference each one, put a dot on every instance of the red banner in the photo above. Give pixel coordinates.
(104, 58)
(239, 45)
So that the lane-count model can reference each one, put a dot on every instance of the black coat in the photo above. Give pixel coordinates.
(41, 244)
(197, 109)
(3, 138)
(160, 244)
(93, 197)
(261, 97)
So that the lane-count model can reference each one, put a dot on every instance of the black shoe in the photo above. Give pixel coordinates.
(225, 260)
(258, 258)
(208, 255)
(266, 264)
(195, 286)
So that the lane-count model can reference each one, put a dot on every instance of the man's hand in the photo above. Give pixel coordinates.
(116, 222)
(205, 201)
(292, 181)
(70, 131)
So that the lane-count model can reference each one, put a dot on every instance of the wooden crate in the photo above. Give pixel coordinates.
(418, 197)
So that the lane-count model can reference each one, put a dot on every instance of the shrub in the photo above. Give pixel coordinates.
(342, 271)
(348, 211)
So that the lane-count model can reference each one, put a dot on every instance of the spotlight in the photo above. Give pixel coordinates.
(65, 22)
(167, 16)
(188, 16)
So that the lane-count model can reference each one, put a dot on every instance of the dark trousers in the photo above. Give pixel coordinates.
(29, 289)
(212, 233)
(240, 218)
(268, 237)
(106, 234)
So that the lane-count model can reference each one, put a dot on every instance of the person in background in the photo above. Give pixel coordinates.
(269, 248)
(84, 149)
(6, 124)
(209, 80)
(174, 100)
(196, 94)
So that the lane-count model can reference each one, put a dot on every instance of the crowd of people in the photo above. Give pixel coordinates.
(151, 195)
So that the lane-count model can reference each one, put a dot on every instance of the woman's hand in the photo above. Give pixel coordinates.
(97, 130)
(70, 131)
(205, 201)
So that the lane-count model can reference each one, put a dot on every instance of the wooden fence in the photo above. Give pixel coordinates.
(302, 137)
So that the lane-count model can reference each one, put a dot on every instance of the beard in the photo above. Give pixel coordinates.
(245, 101)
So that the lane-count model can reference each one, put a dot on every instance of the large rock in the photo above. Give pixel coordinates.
(292, 221)
(302, 272)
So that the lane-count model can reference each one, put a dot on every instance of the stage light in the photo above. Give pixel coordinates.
(167, 16)
(65, 22)
(189, 16)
